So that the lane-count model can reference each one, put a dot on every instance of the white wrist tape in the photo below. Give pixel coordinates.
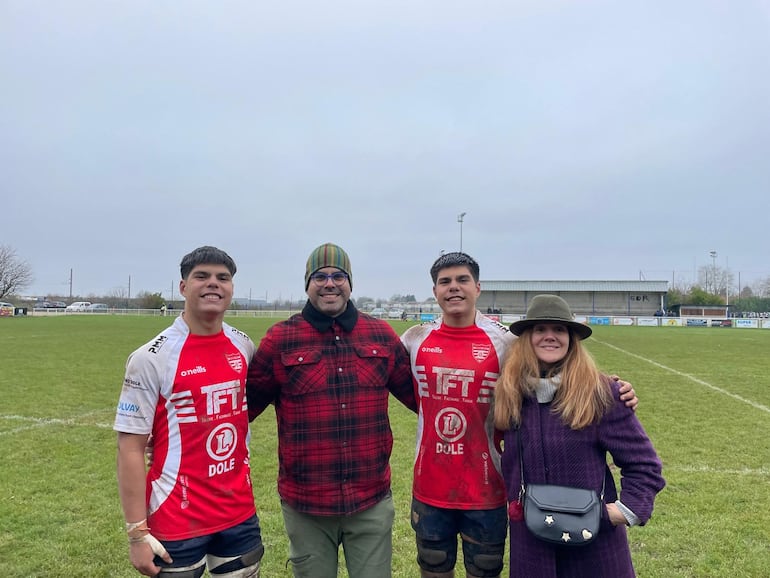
(157, 547)
(140, 532)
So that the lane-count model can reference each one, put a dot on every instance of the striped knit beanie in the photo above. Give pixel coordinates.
(327, 255)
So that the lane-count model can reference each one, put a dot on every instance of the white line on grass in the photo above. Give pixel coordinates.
(753, 404)
(36, 422)
(710, 470)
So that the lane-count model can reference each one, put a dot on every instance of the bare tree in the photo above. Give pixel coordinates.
(15, 274)
(716, 280)
(762, 287)
(118, 297)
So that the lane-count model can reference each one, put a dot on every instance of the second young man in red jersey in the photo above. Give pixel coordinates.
(458, 488)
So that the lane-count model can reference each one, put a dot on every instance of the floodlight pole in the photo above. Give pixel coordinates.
(713, 255)
(460, 218)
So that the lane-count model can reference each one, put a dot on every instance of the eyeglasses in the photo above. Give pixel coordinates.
(320, 279)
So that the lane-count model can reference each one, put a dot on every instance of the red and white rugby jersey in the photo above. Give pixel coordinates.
(455, 372)
(188, 391)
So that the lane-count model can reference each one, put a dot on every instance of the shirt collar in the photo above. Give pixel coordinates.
(347, 319)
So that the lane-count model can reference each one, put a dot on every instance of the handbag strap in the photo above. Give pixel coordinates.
(521, 466)
(521, 460)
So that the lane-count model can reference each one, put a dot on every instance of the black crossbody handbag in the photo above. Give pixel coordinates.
(560, 514)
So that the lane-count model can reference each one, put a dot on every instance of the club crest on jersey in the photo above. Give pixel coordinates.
(481, 351)
(235, 361)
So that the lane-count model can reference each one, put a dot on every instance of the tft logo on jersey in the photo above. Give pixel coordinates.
(221, 397)
(452, 381)
(222, 400)
(220, 445)
(451, 426)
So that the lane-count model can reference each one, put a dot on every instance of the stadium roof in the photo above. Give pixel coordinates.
(555, 286)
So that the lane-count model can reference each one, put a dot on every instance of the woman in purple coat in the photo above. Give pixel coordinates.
(570, 416)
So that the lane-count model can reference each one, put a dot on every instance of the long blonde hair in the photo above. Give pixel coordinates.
(583, 395)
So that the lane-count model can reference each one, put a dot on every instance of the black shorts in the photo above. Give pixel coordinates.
(234, 541)
(483, 532)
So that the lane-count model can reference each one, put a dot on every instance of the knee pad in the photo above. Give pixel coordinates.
(432, 558)
(193, 571)
(483, 559)
(243, 566)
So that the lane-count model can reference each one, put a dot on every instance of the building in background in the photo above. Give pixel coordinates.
(584, 297)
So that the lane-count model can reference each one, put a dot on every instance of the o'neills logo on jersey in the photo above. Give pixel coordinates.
(194, 371)
(235, 361)
(431, 350)
(481, 352)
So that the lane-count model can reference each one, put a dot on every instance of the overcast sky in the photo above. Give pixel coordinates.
(589, 139)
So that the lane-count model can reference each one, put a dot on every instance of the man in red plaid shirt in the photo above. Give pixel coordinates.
(329, 371)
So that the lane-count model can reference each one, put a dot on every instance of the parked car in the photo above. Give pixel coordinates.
(6, 309)
(98, 308)
(49, 305)
(378, 312)
(78, 306)
(396, 314)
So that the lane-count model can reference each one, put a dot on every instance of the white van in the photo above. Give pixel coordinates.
(78, 306)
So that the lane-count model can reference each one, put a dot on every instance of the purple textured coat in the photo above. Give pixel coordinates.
(556, 454)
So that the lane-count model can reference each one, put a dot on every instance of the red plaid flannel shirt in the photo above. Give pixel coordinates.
(329, 379)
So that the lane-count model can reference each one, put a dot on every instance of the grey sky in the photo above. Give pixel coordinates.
(584, 140)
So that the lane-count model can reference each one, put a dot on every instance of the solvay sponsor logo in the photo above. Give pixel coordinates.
(431, 350)
(126, 407)
(194, 371)
(220, 446)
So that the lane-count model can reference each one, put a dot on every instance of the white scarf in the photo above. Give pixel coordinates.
(545, 388)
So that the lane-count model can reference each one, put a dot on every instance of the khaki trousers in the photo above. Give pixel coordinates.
(365, 537)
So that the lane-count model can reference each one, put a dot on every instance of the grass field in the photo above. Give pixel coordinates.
(705, 402)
